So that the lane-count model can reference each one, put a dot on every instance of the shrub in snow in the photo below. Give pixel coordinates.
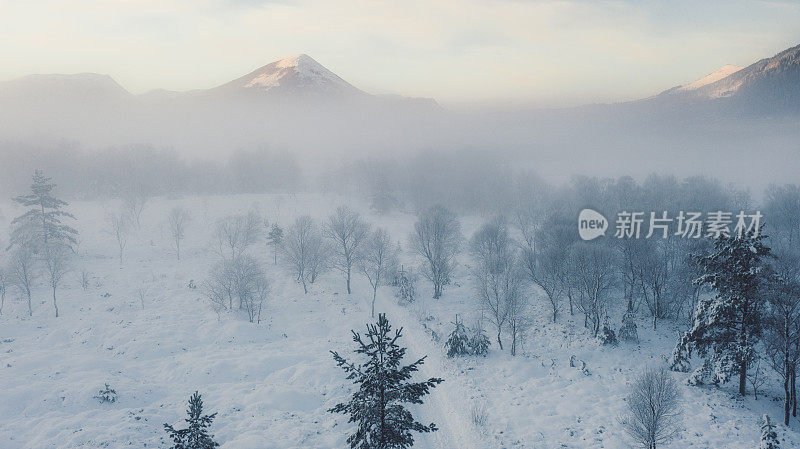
(653, 404)
(377, 407)
(704, 374)
(195, 436)
(478, 413)
(628, 331)
(607, 336)
(479, 342)
(769, 439)
(457, 343)
(584, 369)
(107, 395)
(679, 360)
(404, 285)
(84, 280)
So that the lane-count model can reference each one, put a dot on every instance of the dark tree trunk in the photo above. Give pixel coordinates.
(786, 390)
(742, 378)
(55, 306)
(499, 340)
(794, 391)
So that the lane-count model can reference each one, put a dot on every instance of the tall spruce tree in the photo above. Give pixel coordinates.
(377, 407)
(41, 223)
(727, 325)
(195, 436)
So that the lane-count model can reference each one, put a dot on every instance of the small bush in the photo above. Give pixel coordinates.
(457, 343)
(479, 342)
(479, 413)
(628, 331)
(607, 336)
(107, 395)
(404, 283)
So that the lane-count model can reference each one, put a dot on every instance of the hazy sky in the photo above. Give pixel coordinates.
(458, 51)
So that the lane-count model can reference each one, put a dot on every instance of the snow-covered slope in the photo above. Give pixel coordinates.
(272, 382)
(764, 86)
(711, 77)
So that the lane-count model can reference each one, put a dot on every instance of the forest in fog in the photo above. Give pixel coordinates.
(480, 264)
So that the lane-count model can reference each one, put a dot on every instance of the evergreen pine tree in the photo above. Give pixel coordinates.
(628, 331)
(679, 360)
(458, 342)
(479, 342)
(196, 435)
(704, 374)
(404, 285)
(607, 336)
(42, 222)
(727, 326)
(383, 387)
(769, 438)
(275, 238)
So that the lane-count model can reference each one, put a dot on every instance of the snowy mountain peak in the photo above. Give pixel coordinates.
(298, 73)
(712, 77)
(297, 60)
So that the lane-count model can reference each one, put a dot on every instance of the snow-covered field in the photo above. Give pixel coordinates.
(271, 383)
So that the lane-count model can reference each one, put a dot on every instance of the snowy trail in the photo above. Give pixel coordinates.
(447, 405)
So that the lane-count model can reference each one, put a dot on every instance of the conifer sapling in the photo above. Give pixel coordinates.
(384, 386)
(195, 436)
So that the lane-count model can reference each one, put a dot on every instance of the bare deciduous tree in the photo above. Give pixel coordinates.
(22, 272)
(653, 409)
(134, 199)
(592, 277)
(544, 259)
(348, 231)
(496, 276)
(178, 219)
(120, 227)
(241, 279)
(235, 233)
(142, 292)
(304, 250)
(56, 258)
(782, 339)
(378, 258)
(437, 239)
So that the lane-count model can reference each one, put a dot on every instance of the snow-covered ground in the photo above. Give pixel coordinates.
(271, 383)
